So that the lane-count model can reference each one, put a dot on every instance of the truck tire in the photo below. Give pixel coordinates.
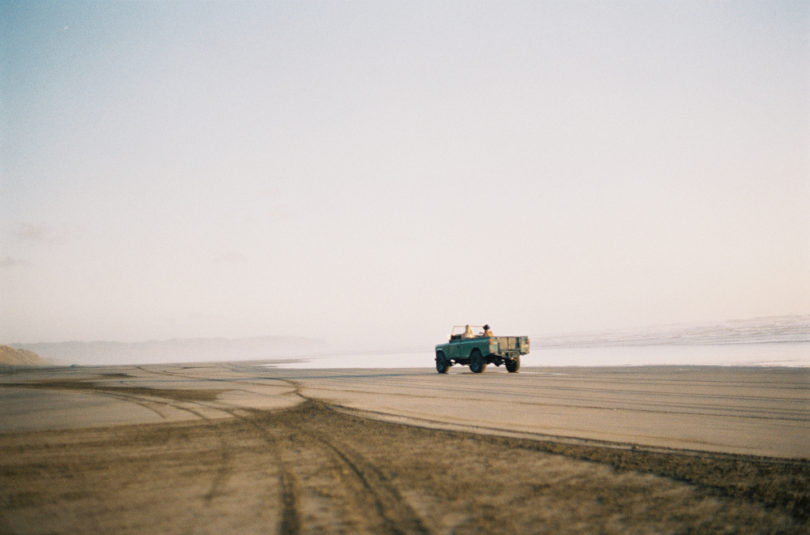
(441, 362)
(477, 362)
(513, 365)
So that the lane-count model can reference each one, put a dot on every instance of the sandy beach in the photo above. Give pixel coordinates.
(215, 448)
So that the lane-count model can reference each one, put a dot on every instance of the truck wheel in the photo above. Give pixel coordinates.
(477, 362)
(513, 365)
(441, 362)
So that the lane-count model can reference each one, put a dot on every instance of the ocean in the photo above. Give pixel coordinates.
(783, 354)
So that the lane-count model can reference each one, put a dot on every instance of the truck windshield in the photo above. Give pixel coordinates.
(478, 330)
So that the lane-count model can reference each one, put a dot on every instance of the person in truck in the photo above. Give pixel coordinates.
(487, 331)
(468, 332)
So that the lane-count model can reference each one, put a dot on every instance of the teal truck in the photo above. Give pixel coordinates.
(468, 345)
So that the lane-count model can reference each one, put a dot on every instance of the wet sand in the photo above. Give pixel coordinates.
(220, 448)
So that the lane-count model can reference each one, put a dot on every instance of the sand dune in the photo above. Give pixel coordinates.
(20, 357)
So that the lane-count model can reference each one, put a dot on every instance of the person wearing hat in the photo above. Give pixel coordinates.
(487, 331)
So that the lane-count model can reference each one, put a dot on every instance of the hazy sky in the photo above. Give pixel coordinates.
(378, 171)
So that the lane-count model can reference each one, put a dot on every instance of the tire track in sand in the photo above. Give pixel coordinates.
(151, 402)
(224, 469)
(396, 516)
(290, 523)
(290, 518)
(393, 513)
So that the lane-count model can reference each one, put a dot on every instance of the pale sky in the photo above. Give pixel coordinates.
(375, 172)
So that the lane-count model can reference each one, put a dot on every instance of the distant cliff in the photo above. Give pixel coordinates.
(20, 357)
(177, 350)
